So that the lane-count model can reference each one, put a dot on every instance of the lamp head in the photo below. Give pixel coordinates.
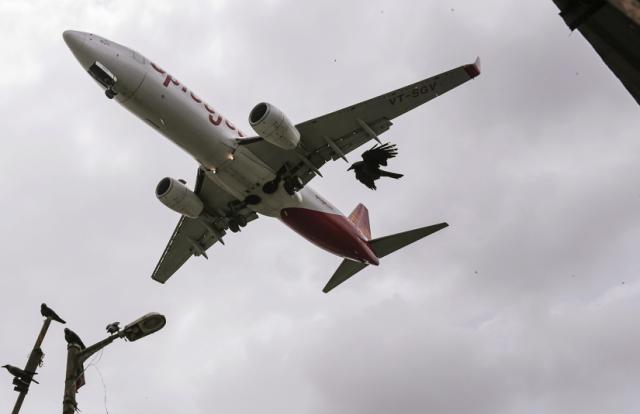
(146, 325)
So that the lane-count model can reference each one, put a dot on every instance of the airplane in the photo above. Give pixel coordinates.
(241, 176)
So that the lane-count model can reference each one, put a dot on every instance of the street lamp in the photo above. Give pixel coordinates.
(77, 354)
(146, 325)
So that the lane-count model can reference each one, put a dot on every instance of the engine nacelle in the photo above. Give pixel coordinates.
(175, 195)
(274, 126)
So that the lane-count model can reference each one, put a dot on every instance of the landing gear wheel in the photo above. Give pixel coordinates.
(292, 185)
(234, 226)
(110, 93)
(289, 187)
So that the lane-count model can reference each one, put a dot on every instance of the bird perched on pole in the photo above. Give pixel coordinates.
(73, 338)
(47, 312)
(21, 373)
(368, 170)
(113, 328)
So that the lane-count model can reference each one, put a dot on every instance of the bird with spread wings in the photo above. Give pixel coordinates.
(368, 170)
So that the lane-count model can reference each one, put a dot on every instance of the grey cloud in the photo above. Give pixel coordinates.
(534, 164)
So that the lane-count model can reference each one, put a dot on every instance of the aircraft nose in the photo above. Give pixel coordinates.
(73, 38)
(76, 40)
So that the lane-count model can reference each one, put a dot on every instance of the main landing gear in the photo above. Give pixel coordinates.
(236, 221)
(291, 185)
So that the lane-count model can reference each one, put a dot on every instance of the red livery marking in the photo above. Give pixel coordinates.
(153, 65)
(168, 79)
(472, 70)
(360, 219)
(216, 122)
(331, 232)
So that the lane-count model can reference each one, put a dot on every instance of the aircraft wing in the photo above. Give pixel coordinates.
(192, 237)
(334, 135)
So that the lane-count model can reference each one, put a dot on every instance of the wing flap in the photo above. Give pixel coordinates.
(190, 237)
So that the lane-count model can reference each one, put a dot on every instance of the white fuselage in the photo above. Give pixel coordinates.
(198, 128)
(159, 99)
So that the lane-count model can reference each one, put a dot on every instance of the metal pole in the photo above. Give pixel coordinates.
(75, 366)
(69, 404)
(18, 405)
(35, 358)
(76, 356)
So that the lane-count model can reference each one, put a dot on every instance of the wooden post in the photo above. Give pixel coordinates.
(35, 358)
(69, 403)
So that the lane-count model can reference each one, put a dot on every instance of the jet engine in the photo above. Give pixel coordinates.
(274, 126)
(175, 195)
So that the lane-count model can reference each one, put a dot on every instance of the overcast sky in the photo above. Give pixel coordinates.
(528, 303)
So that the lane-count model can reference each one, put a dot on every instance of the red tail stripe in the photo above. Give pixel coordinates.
(360, 218)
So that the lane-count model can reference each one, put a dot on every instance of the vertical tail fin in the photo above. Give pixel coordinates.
(360, 218)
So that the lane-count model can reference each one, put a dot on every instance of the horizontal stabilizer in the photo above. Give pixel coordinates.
(346, 269)
(389, 244)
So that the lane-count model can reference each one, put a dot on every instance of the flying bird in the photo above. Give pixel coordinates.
(113, 328)
(47, 312)
(73, 338)
(20, 373)
(368, 170)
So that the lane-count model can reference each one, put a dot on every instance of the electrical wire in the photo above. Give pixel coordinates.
(104, 388)
(94, 363)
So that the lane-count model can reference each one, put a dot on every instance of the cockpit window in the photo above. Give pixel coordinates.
(103, 75)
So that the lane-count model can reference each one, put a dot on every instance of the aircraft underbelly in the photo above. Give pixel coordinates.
(241, 174)
(186, 125)
(329, 231)
(244, 175)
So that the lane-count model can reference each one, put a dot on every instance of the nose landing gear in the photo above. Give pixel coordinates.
(105, 77)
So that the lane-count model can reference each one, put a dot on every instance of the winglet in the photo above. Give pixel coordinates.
(473, 69)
